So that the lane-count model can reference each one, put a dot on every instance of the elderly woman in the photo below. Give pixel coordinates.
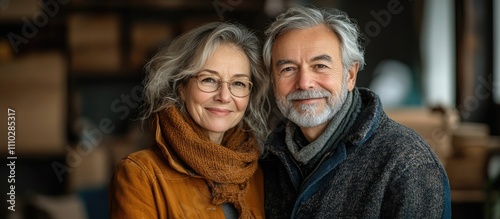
(206, 100)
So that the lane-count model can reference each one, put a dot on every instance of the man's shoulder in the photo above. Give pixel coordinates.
(400, 142)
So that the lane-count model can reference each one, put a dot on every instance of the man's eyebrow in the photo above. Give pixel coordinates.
(283, 62)
(322, 57)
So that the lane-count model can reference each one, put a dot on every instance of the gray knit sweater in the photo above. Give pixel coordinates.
(380, 169)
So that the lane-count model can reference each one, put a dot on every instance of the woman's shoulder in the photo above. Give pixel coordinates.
(154, 162)
(145, 156)
(146, 160)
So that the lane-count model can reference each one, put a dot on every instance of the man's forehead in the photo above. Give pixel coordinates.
(309, 42)
(304, 53)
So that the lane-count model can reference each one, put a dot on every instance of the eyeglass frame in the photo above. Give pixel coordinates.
(198, 82)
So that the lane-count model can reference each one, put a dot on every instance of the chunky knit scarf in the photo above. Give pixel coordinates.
(226, 166)
(310, 154)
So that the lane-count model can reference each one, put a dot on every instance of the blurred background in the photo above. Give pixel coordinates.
(71, 73)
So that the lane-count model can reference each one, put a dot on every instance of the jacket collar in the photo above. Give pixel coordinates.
(171, 159)
(370, 117)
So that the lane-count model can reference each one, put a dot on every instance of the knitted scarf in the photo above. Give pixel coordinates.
(226, 166)
(309, 155)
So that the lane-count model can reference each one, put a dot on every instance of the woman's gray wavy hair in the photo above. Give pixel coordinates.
(174, 65)
(302, 17)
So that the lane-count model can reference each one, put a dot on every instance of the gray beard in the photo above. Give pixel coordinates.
(306, 116)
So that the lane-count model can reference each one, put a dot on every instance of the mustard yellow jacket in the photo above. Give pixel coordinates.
(152, 183)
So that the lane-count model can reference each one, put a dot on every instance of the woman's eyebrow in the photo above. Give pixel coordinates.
(210, 71)
(241, 76)
(217, 73)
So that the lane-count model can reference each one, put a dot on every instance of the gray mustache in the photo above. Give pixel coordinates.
(300, 95)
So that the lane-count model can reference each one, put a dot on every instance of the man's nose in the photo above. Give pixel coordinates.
(305, 79)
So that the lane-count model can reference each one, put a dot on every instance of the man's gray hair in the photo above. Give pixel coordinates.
(301, 17)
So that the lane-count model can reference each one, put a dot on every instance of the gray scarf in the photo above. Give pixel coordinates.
(313, 152)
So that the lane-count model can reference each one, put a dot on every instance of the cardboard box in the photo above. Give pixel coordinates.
(146, 38)
(94, 42)
(467, 167)
(15, 10)
(96, 59)
(436, 127)
(35, 87)
(88, 29)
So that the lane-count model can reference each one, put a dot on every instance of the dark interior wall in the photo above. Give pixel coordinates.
(391, 31)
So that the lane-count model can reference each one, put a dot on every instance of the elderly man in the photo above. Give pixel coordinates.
(338, 155)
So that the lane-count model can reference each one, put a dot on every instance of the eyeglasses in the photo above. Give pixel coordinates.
(239, 87)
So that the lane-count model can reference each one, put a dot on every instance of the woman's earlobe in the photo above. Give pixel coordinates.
(181, 93)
